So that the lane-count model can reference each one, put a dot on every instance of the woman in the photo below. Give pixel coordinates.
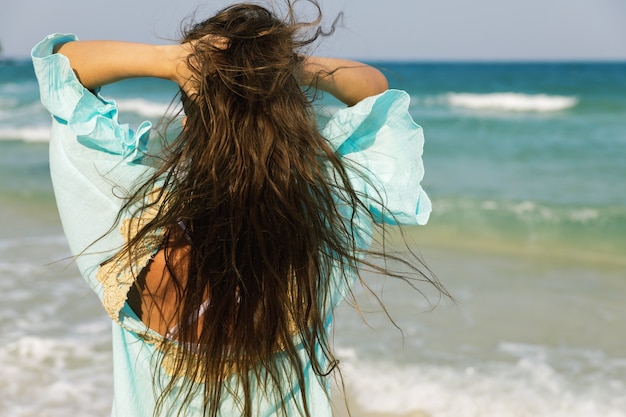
(221, 256)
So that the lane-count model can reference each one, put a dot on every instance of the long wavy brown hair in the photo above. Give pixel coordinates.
(256, 198)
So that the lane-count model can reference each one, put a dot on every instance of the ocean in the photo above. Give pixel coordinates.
(526, 167)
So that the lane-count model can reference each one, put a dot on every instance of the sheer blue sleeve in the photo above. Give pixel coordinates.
(382, 147)
(93, 119)
(94, 160)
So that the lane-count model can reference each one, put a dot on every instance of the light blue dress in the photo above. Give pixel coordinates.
(94, 159)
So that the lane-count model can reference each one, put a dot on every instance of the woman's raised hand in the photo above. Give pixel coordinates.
(97, 63)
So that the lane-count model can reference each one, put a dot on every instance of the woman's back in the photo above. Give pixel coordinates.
(224, 263)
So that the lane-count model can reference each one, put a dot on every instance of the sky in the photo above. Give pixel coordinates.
(408, 30)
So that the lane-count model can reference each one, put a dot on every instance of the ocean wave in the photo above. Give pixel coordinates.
(59, 375)
(511, 102)
(528, 211)
(35, 111)
(18, 113)
(27, 134)
(144, 107)
(19, 88)
(525, 386)
(576, 233)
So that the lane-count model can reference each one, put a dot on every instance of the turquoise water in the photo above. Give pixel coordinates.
(526, 166)
(519, 156)
(526, 155)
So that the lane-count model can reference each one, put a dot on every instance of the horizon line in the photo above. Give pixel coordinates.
(442, 60)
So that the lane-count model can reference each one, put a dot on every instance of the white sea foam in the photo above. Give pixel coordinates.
(526, 211)
(523, 208)
(489, 205)
(527, 387)
(141, 107)
(55, 377)
(27, 134)
(144, 107)
(511, 102)
(584, 215)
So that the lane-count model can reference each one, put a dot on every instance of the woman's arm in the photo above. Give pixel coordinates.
(349, 81)
(98, 63)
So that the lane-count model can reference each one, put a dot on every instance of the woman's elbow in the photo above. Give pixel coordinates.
(378, 82)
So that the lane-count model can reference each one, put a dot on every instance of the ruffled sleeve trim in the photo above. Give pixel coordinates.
(92, 118)
(383, 148)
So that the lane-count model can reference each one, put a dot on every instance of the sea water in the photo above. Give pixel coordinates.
(526, 167)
